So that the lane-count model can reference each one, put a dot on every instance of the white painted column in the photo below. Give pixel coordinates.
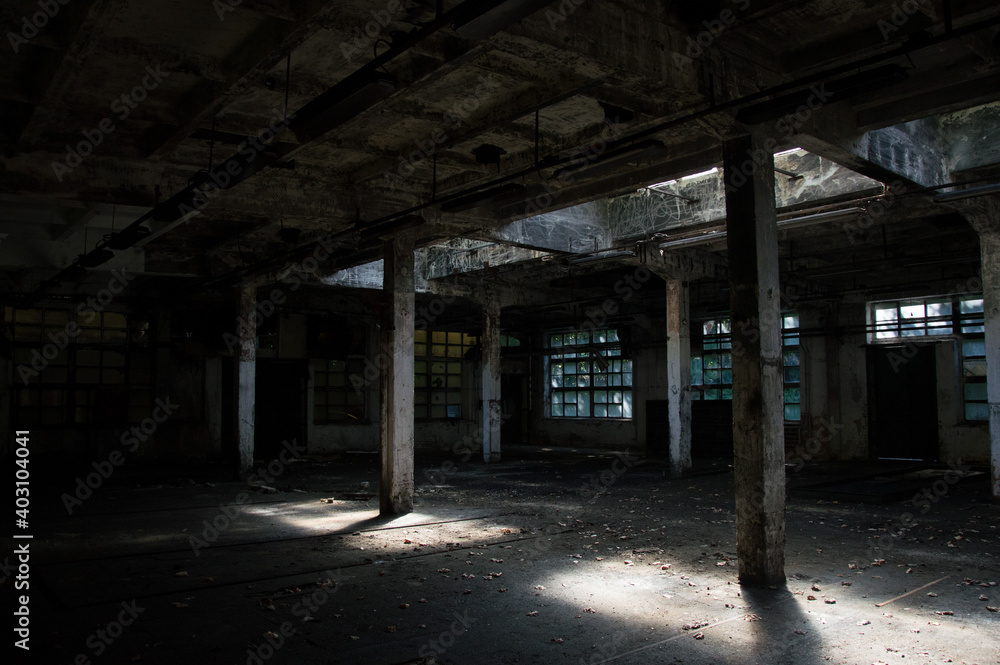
(246, 376)
(492, 416)
(758, 404)
(396, 363)
(990, 248)
(679, 377)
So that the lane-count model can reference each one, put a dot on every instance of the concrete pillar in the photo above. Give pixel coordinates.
(396, 363)
(492, 416)
(758, 413)
(990, 248)
(679, 376)
(246, 376)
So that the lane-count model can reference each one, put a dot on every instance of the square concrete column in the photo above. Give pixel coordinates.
(679, 377)
(246, 375)
(396, 366)
(758, 409)
(492, 416)
(990, 248)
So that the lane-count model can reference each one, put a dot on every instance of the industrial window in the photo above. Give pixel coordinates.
(509, 341)
(957, 316)
(77, 368)
(338, 390)
(438, 373)
(588, 376)
(712, 364)
(792, 366)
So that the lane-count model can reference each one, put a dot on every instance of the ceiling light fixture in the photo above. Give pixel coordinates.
(969, 193)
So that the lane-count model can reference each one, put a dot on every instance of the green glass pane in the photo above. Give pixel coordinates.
(793, 412)
(792, 396)
(976, 392)
(977, 411)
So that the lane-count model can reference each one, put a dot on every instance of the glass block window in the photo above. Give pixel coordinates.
(712, 364)
(338, 399)
(92, 374)
(958, 316)
(792, 366)
(437, 370)
(588, 377)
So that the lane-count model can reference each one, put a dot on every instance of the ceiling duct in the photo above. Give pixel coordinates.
(128, 236)
(347, 99)
(488, 197)
(614, 160)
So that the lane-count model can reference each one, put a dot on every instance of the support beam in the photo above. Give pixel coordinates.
(491, 378)
(757, 382)
(990, 246)
(396, 488)
(679, 377)
(246, 376)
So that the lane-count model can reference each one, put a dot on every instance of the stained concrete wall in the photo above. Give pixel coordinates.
(960, 442)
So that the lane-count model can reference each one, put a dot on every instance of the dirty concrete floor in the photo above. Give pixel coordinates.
(547, 557)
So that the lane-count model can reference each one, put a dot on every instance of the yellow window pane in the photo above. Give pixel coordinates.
(114, 336)
(454, 368)
(420, 366)
(29, 316)
(439, 337)
(88, 358)
(454, 398)
(439, 351)
(438, 368)
(114, 320)
(438, 397)
(454, 338)
(439, 411)
(419, 350)
(420, 381)
(420, 336)
(24, 333)
(57, 317)
(454, 381)
(112, 359)
(454, 352)
(469, 340)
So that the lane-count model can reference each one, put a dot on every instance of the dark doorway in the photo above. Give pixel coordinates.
(280, 411)
(511, 408)
(711, 429)
(657, 428)
(902, 392)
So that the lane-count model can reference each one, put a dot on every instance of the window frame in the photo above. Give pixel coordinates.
(436, 357)
(614, 364)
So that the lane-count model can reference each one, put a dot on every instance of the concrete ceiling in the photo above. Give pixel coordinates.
(158, 92)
